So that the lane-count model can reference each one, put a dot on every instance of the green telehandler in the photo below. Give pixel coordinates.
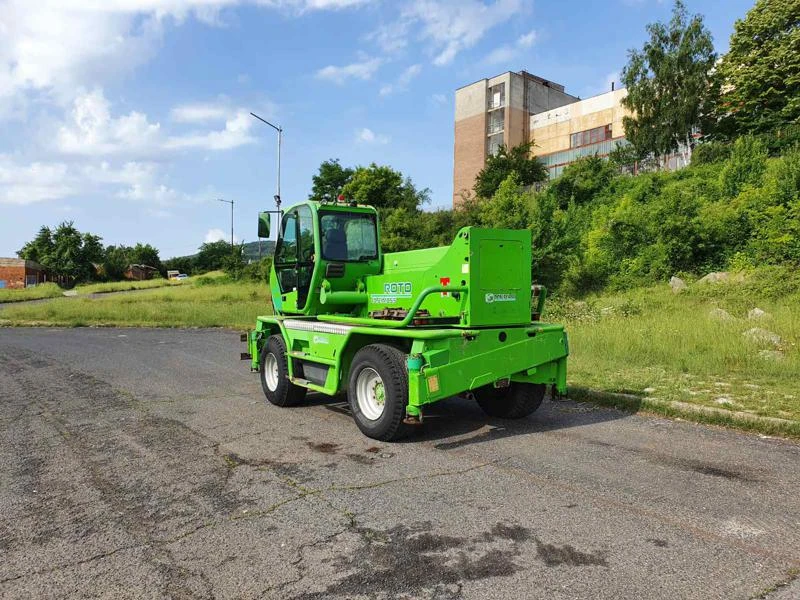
(398, 331)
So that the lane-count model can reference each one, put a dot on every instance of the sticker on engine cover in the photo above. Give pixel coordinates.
(490, 298)
(391, 292)
(321, 339)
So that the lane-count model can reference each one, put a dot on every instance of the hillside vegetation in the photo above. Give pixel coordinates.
(702, 346)
(594, 229)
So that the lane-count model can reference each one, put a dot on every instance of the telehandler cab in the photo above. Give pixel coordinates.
(401, 330)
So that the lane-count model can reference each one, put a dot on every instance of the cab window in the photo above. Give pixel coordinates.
(348, 236)
(286, 252)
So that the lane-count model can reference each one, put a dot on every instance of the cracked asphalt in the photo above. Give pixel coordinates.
(145, 464)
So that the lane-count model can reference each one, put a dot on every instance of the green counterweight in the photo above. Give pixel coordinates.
(400, 330)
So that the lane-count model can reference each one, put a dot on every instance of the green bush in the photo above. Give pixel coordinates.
(710, 152)
(746, 165)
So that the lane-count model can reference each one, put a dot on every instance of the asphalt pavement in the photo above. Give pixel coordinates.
(145, 464)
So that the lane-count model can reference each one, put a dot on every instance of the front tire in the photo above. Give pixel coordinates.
(274, 374)
(378, 391)
(514, 402)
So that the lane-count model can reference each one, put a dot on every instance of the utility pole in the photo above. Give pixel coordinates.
(280, 135)
(231, 203)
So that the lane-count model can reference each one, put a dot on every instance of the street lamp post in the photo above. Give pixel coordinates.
(280, 135)
(231, 203)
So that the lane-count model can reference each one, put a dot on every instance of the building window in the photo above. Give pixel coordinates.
(497, 96)
(496, 121)
(494, 143)
(590, 136)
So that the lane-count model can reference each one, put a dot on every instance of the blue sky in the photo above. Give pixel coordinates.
(129, 117)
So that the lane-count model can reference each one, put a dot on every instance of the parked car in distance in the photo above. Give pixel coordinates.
(182, 276)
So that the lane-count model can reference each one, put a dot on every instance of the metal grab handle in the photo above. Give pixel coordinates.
(395, 324)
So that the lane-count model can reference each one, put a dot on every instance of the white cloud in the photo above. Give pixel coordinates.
(367, 136)
(402, 81)
(363, 70)
(501, 54)
(391, 37)
(508, 52)
(309, 5)
(199, 112)
(30, 183)
(217, 235)
(527, 40)
(58, 46)
(455, 25)
(236, 133)
(33, 182)
(439, 98)
(91, 130)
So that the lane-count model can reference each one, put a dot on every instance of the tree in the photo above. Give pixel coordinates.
(116, 262)
(385, 189)
(746, 165)
(40, 248)
(759, 78)
(499, 166)
(65, 252)
(213, 256)
(183, 264)
(582, 181)
(144, 254)
(329, 181)
(667, 80)
(509, 206)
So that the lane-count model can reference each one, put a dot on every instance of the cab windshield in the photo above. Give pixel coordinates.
(348, 236)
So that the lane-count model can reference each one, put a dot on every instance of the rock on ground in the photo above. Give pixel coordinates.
(756, 314)
(771, 355)
(757, 334)
(677, 284)
(715, 277)
(721, 314)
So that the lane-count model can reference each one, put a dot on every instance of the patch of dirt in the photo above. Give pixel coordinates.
(323, 447)
(553, 556)
(414, 561)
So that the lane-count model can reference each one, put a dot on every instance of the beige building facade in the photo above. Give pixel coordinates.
(584, 128)
(493, 112)
(514, 108)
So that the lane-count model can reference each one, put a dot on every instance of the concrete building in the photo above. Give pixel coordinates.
(583, 128)
(20, 273)
(513, 108)
(494, 112)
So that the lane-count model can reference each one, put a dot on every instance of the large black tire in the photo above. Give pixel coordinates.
(275, 375)
(379, 371)
(514, 402)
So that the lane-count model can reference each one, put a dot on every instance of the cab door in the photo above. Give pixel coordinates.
(295, 258)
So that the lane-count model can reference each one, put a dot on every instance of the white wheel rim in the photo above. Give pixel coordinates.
(271, 371)
(370, 394)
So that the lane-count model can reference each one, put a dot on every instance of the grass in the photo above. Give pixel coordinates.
(44, 290)
(188, 305)
(52, 290)
(648, 343)
(123, 286)
(658, 346)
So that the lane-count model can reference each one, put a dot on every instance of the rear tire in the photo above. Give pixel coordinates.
(274, 374)
(514, 402)
(378, 391)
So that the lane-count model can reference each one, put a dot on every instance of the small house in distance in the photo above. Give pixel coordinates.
(140, 272)
(20, 273)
